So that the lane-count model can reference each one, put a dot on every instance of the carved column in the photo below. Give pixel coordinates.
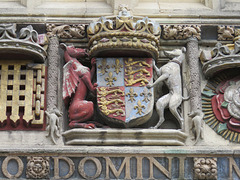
(195, 85)
(53, 66)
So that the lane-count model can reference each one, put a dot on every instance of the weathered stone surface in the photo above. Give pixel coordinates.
(124, 137)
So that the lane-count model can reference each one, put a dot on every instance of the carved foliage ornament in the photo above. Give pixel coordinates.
(225, 33)
(181, 32)
(75, 31)
(37, 167)
(205, 168)
(7, 31)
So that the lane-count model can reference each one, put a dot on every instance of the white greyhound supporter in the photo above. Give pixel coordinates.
(170, 74)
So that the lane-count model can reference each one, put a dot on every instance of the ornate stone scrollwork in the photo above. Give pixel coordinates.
(37, 167)
(205, 168)
(29, 34)
(181, 32)
(225, 33)
(75, 31)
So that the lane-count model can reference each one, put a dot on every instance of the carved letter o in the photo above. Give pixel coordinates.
(5, 164)
(81, 167)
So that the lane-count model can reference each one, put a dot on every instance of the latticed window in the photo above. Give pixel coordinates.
(22, 95)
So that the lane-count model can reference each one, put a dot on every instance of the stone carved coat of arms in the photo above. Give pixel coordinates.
(122, 97)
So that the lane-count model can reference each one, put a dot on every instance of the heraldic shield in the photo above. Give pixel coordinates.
(122, 96)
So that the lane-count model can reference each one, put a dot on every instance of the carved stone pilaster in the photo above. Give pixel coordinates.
(195, 88)
(193, 62)
(205, 168)
(53, 66)
(37, 167)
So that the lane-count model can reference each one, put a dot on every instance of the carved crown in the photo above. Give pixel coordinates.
(221, 57)
(24, 45)
(136, 35)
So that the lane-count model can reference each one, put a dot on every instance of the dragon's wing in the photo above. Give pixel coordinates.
(70, 80)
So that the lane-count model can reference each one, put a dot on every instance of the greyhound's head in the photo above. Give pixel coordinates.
(176, 54)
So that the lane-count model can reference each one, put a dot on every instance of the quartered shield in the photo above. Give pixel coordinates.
(122, 96)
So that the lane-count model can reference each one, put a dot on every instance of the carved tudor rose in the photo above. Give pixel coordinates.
(221, 96)
(205, 168)
(37, 167)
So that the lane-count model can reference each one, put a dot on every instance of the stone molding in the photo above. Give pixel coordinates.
(124, 136)
(171, 163)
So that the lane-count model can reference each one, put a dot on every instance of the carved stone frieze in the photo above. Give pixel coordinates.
(37, 167)
(181, 32)
(75, 31)
(225, 33)
(205, 168)
(121, 163)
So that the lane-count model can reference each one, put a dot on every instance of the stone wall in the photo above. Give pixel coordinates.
(136, 153)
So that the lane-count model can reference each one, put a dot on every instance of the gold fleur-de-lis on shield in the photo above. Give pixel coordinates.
(110, 79)
(103, 67)
(117, 66)
(131, 95)
(140, 107)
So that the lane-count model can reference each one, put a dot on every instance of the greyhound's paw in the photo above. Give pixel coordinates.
(153, 127)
